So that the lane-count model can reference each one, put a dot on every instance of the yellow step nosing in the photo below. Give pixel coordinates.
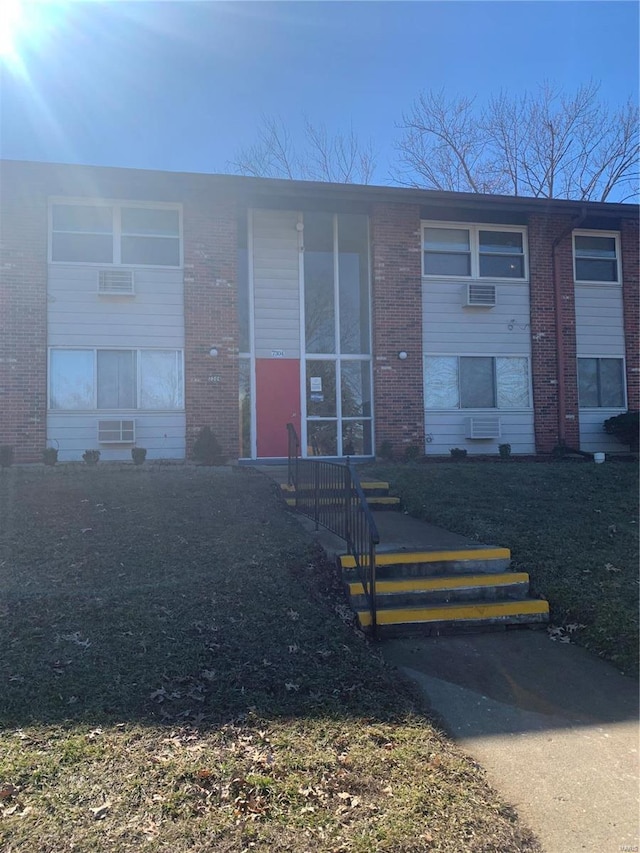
(452, 613)
(375, 485)
(401, 557)
(440, 583)
(383, 499)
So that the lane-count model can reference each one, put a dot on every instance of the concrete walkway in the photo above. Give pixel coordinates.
(555, 727)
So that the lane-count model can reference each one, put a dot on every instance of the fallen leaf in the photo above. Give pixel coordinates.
(100, 812)
(291, 686)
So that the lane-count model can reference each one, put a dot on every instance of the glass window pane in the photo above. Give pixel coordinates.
(161, 385)
(501, 266)
(353, 273)
(319, 307)
(155, 251)
(476, 383)
(82, 218)
(321, 389)
(82, 248)
(356, 438)
(512, 379)
(446, 239)
(244, 399)
(322, 438)
(611, 383)
(116, 379)
(588, 382)
(595, 247)
(71, 379)
(441, 382)
(441, 263)
(355, 389)
(501, 242)
(596, 270)
(144, 220)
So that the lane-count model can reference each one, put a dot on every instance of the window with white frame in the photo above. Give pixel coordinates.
(133, 235)
(476, 382)
(601, 383)
(82, 379)
(596, 257)
(474, 251)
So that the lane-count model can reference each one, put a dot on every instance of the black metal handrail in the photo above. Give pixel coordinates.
(330, 493)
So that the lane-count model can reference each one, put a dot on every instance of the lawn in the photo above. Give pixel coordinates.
(178, 673)
(572, 525)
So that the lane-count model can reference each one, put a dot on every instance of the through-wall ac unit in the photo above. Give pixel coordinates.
(483, 426)
(116, 431)
(479, 295)
(115, 282)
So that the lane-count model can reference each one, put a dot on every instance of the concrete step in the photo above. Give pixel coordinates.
(418, 592)
(375, 503)
(444, 618)
(399, 565)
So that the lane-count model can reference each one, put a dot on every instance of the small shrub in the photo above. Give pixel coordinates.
(411, 453)
(206, 449)
(385, 451)
(625, 428)
(50, 455)
(6, 455)
(504, 450)
(91, 457)
(138, 454)
(458, 453)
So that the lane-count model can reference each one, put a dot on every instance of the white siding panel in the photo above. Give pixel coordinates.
(162, 433)
(450, 328)
(599, 321)
(79, 316)
(447, 429)
(276, 283)
(593, 438)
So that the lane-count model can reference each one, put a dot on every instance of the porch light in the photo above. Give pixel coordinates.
(213, 352)
(402, 355)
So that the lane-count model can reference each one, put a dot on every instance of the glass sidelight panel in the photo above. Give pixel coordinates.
(356, 438)
(319, 300)
(244, 403)
(355, 389)
(321, 389)
(322, 438)
(353, 275)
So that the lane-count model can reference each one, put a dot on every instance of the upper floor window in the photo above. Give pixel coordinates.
(596, 256)
(474, 251)
(115, 234)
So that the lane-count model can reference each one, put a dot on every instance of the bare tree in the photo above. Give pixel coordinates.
(338, 158)
(549, 144)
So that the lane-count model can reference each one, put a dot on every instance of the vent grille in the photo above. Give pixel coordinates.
(117, 432)
(480, 295)
(483, 426)
(115, 282)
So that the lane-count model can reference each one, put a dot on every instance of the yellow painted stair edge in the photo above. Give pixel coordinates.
(449, 582)
(375, 501)
(400, 557)
(455, 613)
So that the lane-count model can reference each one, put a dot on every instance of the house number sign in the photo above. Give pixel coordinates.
(277, 353)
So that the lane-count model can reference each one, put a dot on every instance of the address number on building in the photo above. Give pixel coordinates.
(277, 353)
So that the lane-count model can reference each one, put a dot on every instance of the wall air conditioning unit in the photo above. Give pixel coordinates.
(483, 426)
(479, 295)
(114, 282)
(116, 431)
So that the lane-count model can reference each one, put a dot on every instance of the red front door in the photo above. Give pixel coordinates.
(277, 404)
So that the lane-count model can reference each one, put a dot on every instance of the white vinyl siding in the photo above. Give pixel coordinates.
(276, 281)
(447, 429)
(599, 334)
(162, 433)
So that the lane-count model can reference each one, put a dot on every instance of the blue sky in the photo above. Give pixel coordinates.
(181, 85)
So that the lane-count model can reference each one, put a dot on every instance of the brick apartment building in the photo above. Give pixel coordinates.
(138, 306)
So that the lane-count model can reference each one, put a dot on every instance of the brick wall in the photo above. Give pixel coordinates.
(631, 305)
(210, 305)
(23, 314)
(397, 325)
(543, 230)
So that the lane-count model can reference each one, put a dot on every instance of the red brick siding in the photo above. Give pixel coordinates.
(631, 306)
(210, 306)
(397, 325)
(23, 312)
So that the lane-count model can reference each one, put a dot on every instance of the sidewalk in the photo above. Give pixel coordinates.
(555, 727)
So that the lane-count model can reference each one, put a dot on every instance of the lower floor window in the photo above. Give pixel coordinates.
(115, 379)
(601, 383)
(476, 382)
